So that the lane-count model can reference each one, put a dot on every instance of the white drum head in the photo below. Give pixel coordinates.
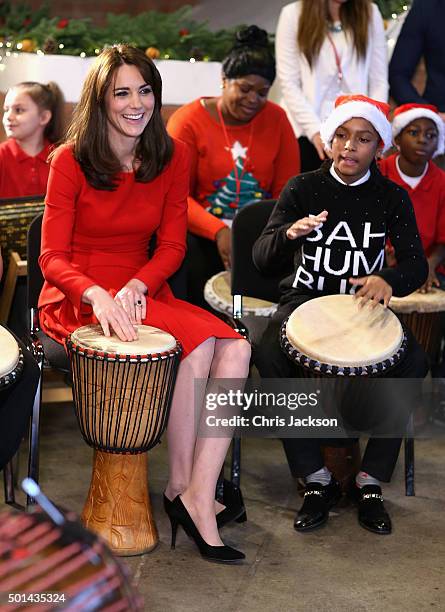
(332, 329)
(150, 340)
(9, 352)
(218, 293)
(433, 301)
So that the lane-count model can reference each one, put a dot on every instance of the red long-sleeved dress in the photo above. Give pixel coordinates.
(95, 237)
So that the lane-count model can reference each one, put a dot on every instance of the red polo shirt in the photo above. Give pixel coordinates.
(428, 199)
(20, 174)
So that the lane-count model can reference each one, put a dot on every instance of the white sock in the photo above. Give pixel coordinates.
(362, 479)
(322, 476)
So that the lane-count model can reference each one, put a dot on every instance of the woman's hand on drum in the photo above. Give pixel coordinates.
(373, 290)
(132, 298)
(305, 226)
(109, 313)
(223, 244)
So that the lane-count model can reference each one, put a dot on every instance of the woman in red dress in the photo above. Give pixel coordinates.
(117, 180)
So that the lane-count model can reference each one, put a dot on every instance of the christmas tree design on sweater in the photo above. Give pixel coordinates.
(224, 202)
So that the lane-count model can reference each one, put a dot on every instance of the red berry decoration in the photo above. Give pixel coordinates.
(184, 32)
(233, 205)
(62, 23)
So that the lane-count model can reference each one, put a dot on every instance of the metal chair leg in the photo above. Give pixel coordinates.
(8, 480)
(235, 471)
(409, 459)
(33, 465)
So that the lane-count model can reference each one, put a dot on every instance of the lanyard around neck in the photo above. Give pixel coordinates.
(238, 175)
(337, 57)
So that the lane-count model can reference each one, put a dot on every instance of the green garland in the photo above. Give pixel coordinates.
(167, 35)
(388, 8)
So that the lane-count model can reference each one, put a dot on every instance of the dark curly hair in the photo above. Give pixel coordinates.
(251, 54)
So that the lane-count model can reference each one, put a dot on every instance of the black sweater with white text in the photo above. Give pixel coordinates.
(352, 240)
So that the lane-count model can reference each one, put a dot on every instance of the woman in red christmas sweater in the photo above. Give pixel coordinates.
(243, 150)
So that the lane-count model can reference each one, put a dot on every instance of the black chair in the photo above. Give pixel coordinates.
(247, 280)
(48, 352)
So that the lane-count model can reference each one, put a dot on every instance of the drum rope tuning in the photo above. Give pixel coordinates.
(127, 418)
(122, 396)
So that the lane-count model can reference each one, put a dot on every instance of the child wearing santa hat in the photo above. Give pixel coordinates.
(335, 222)
(419, 134)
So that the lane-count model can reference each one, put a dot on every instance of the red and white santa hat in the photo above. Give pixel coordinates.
(407, 113)
(355, 105)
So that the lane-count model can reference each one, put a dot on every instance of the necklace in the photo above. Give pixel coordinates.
(238, 175)
(335, 26)
(337, 58)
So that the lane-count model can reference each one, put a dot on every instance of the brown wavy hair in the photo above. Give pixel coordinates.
(47, 97)
(354, 15)
(88, 131)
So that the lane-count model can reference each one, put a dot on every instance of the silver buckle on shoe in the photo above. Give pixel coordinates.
(372, 496)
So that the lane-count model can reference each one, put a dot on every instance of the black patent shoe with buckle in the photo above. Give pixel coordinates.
(371, 511)
(318, 500)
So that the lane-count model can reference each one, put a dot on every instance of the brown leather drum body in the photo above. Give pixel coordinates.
(65, 566)
(330, 337)
(122, 396)
(421, 313)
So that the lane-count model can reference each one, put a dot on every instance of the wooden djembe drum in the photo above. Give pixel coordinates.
(218, 293)
(422, 312)
(331, 337)
(122, 396)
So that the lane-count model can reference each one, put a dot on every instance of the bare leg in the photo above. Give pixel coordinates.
(181, 430)
(231, 360)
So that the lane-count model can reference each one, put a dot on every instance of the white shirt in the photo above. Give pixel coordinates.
(412, 181)
(355, 183)
(308, 93)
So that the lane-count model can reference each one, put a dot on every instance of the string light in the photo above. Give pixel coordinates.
(61, 46)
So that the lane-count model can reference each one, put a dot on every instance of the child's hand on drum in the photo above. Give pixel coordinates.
(373, 289)
(305, 226)
(432, 277)
(109, 313)
(133, 300)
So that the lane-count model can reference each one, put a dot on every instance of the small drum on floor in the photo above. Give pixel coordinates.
(217, 293)
(122, 395)
(46, 566)
(11, 359)
(331, 336)
(421, 312)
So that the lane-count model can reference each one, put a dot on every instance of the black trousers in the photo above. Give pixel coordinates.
(304, 455)
(203, 262)
(309, 156)
(16, 404)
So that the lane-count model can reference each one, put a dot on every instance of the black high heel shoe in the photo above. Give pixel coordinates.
(232, 499)
(178, 515)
